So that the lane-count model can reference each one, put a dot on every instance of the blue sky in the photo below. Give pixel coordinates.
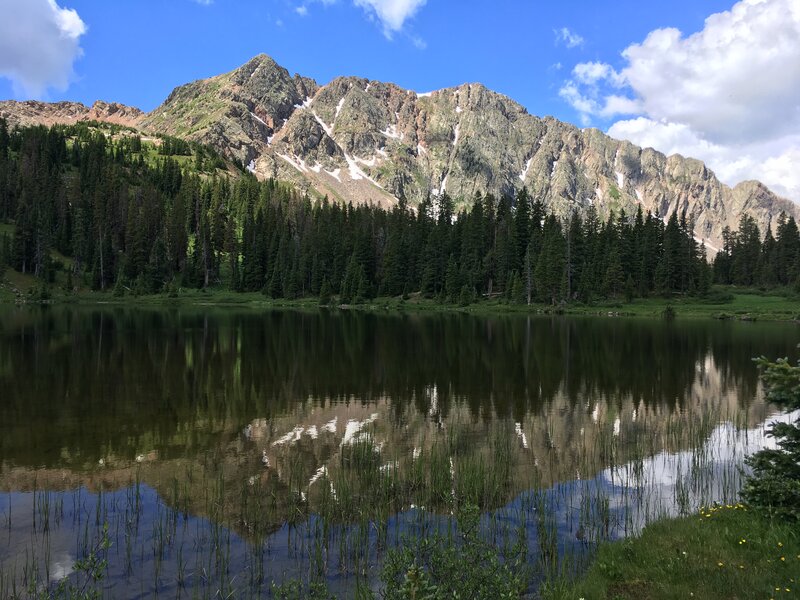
(619, 65)
(136, 51)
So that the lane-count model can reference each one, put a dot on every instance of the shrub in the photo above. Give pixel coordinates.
(463, 566)
(774, 487)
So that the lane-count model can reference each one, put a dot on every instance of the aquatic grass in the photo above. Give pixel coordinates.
(371, 502)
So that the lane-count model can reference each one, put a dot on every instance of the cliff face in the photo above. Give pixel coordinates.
(355, 140)
(368, 141)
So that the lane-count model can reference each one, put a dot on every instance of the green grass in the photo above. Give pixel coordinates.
(745, 305)
(724, 303)
(724, 552)
(18, 281)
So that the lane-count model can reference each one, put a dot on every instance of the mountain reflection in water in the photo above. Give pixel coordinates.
(258, 427)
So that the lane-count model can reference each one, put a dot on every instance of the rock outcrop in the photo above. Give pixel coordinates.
(32, 112)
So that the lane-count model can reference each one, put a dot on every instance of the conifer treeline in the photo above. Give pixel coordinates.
(748, 260)
(145, 226)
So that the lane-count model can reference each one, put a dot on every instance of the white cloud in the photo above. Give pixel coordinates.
(773, 162)
(391, 13)
(585, 105)
(728, 94)
(418, 42)
(568, 37)
(620, 105)
(39, 43)
(592, 103)
(592, 73)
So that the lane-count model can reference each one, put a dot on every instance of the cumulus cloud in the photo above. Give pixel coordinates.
(39, 43)
(728, 94)
(587, 92)
(392, 14)
(774, 162)
(568, 37)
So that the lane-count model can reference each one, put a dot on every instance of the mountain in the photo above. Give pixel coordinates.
(367, 141)
(32, 112)
(236, 112)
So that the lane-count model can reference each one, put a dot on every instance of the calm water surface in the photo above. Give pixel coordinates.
(229, 449)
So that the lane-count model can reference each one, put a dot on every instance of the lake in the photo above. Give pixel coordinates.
(224, 449)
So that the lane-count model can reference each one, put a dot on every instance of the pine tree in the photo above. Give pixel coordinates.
(452, 280)
(517, 289)
(551, 262)
(746, 252)
(766, 269)
(4, 252)
(614, 277)
(522, 225)
(467, 296)
(669, 271)
(723, 262)
(774, 487)
(787, 250)
(325, 294)
(705, 272)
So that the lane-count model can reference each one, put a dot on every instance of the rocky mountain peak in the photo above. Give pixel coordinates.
(356, 140)
(237, 112)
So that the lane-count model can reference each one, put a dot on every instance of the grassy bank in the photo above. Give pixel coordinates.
(723, 552)
(721, 302)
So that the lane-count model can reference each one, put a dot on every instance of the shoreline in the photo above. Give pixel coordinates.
(749, 306)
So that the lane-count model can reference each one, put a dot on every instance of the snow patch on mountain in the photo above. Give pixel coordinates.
(391, 132)
(527, 168)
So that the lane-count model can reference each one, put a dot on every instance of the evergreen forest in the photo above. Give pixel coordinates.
(111, 211)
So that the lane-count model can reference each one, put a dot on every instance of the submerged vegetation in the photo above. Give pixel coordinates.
(330, 538)
(725, 551)
(289, 455)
